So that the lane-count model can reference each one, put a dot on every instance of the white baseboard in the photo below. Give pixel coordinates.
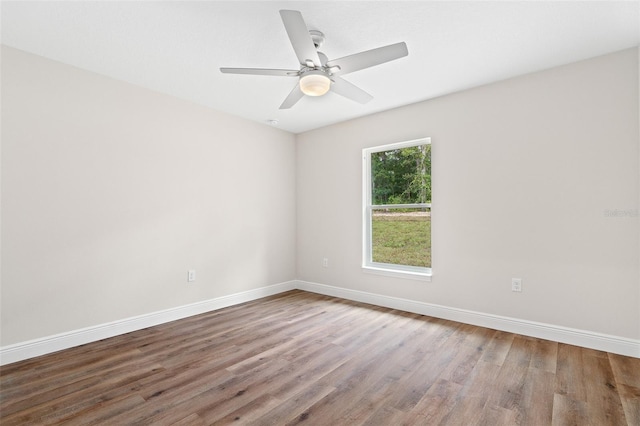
(49, 344)
(587, 339)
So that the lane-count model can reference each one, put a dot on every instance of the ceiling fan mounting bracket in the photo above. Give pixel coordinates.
(317, 37)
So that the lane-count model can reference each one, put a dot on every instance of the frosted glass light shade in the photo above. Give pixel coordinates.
(315, 83)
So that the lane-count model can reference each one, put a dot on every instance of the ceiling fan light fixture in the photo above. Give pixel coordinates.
(315, 83)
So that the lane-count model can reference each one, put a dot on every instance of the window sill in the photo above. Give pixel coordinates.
(411, 275)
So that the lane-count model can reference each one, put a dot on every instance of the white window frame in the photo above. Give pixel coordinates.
(368, 265)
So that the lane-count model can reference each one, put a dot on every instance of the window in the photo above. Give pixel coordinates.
(397, 209)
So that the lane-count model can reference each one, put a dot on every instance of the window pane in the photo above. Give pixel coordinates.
(401, 176)
(402, 236)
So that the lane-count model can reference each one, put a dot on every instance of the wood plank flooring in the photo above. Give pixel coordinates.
(305, 358)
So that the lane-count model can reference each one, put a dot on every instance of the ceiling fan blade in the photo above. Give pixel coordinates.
(295, 95)
(300, 38)
(369, 58)
(260, 71)
(344, 88)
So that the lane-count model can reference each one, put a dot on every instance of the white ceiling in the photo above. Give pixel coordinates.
(178, 47)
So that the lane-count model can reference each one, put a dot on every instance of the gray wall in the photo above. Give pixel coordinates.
(110, 193)
(524, 173)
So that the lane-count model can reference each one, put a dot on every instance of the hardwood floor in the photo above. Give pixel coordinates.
(304, 358)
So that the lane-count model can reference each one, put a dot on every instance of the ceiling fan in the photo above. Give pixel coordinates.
(317, 75)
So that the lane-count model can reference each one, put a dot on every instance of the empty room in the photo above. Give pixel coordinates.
(320, 212)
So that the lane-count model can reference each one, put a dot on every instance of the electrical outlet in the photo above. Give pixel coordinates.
(191, 275)
(325, 262)
(516, 284)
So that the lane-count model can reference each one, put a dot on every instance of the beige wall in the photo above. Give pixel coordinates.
(110, 193)
(524, 171)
